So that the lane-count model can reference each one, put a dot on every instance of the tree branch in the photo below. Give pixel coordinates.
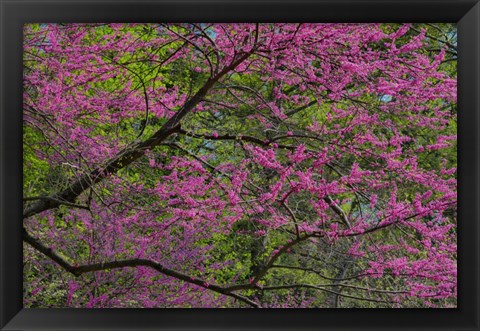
(60, 202)
(132, 153)
(79, 270)
(319, 287)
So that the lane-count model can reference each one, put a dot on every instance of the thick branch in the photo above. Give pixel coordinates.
(130, 154)
(60, 202)
(79, 270)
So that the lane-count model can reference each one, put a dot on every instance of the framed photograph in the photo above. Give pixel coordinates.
(209, 164)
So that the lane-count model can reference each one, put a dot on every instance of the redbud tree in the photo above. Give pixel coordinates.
(240, 165)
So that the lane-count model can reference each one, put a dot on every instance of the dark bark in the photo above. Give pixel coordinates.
(130, 154)
(79, 270)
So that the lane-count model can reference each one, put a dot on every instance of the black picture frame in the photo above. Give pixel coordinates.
(15, 13)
